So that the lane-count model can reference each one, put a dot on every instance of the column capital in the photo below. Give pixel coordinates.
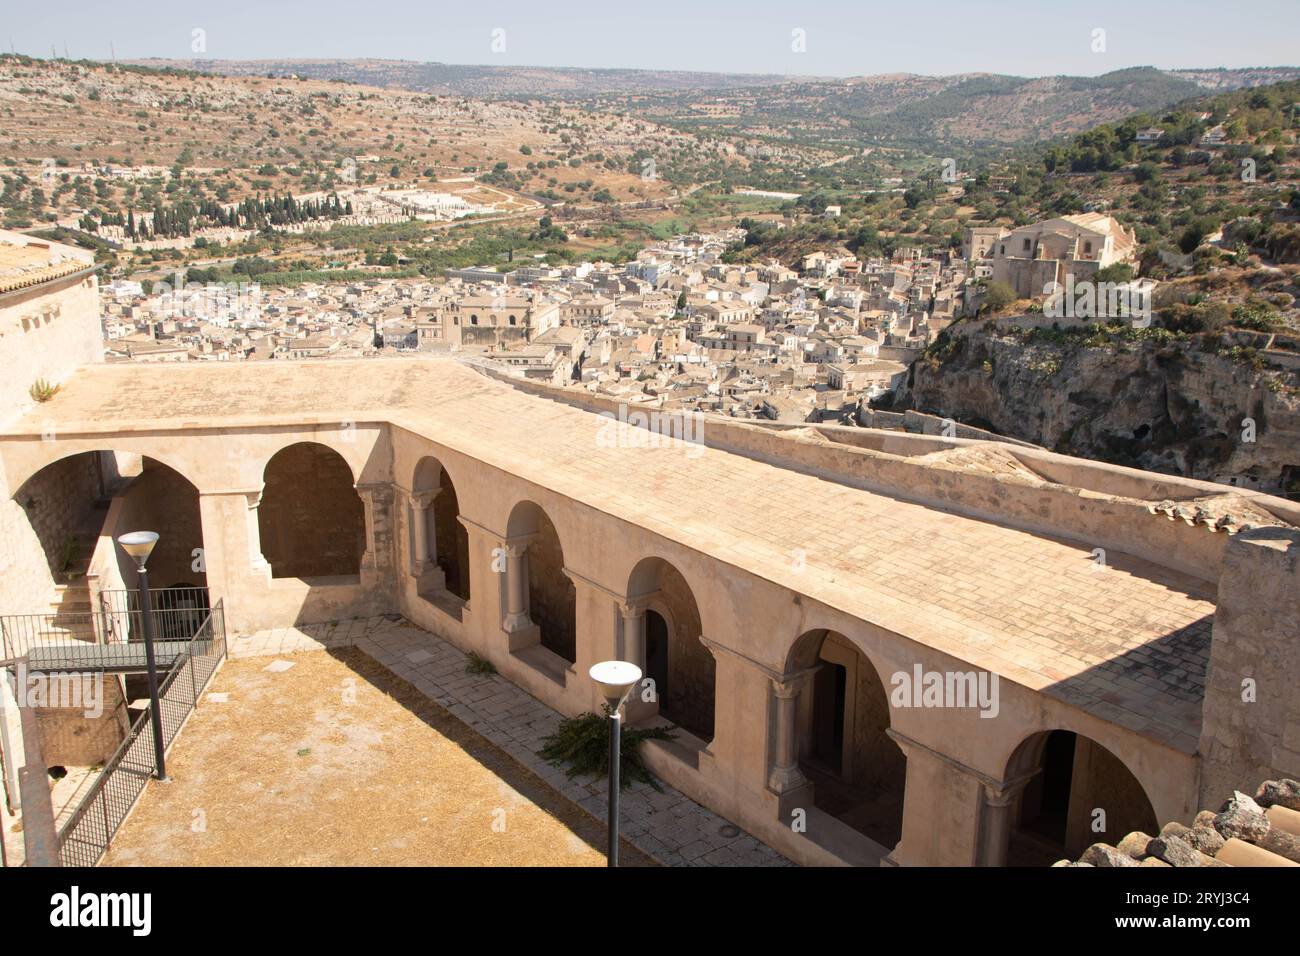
(422, 499)
(787, 686)
(1002, 793)
(633, 608)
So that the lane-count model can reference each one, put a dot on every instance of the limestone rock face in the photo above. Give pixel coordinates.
(1101, 854)
(1281, 793)
(1241, 817)
(1163, 407)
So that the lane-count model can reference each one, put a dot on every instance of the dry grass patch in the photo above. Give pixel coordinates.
(337, 762)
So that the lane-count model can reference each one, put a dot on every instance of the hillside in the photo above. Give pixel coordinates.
(1219, 225)
(121, 137)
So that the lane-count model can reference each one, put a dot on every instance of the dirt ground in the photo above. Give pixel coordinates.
(335, 761)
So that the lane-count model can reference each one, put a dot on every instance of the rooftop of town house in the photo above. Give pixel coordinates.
(1129, 645)
(27, 261)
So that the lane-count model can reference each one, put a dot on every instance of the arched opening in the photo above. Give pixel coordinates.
(682, 668)
(1077, 793)
(69, 505)
(551, 597)
(311, 521)
(842, 717)
(86, 587)
(445, 539)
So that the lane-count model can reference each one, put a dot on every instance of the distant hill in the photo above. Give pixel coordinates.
(972, 109)
(447, 79)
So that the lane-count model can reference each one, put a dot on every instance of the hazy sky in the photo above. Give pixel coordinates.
(843, 37)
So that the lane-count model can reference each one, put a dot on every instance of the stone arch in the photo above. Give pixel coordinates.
(1063, 779)
(310, 519)
(446, 540)
(842, 718)
(68, 502)
(676, 658)
(551, 596)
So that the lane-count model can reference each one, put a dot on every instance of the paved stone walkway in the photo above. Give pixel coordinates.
(668, 826)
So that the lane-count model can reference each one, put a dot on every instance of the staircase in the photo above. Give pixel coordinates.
(71, 605)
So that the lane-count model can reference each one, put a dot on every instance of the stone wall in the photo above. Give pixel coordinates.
(34, 524)
(56, 502)
(46, 333)
(688, 698)
(551, 595)
(71, 738)
(162, 500)
(311, 520)
(1251, 714)
(451, 538)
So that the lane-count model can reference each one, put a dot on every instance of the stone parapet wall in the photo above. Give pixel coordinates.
(1104, 506)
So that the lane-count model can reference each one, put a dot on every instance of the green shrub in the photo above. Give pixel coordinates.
(583, 743)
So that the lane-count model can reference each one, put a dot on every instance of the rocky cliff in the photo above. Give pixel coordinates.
(1143, 398)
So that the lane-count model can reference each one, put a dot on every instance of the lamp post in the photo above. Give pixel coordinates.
(139, 545)
(615, 680)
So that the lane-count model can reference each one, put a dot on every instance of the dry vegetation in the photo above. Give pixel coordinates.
(337, 762)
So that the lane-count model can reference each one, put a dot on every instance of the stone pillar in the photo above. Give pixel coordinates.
(634, 650)
(942, 809)
(516, 555)
(369, 556)
(786, 775)
(632, 614)
(420, 502)
(1250, 727)
(999, 800)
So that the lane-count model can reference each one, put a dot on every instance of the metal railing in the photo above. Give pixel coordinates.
(90, 828)
(108, 637)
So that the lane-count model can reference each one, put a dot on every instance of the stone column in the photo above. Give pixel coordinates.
(786, 774)
(632, 613)
(516, 586)
(634, 649)
(998, 801)
(424, 555)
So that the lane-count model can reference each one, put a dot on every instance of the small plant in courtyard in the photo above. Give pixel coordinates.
(68, 555)
(583, 743)
(42, 391)
(478, 665)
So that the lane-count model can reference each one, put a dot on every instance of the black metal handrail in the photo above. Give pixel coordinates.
(97, 638)
(90, 828)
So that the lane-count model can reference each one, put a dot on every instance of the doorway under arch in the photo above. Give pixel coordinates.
(681, 666)
(446, 538)
(1079, 793)
(858, 773)
(552, 598)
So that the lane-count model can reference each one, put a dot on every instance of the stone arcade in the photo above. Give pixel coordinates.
(770, 584)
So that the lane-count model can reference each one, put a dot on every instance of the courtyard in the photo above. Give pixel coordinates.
(326, 758)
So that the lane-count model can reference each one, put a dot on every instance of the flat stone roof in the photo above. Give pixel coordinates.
(1129, 644)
